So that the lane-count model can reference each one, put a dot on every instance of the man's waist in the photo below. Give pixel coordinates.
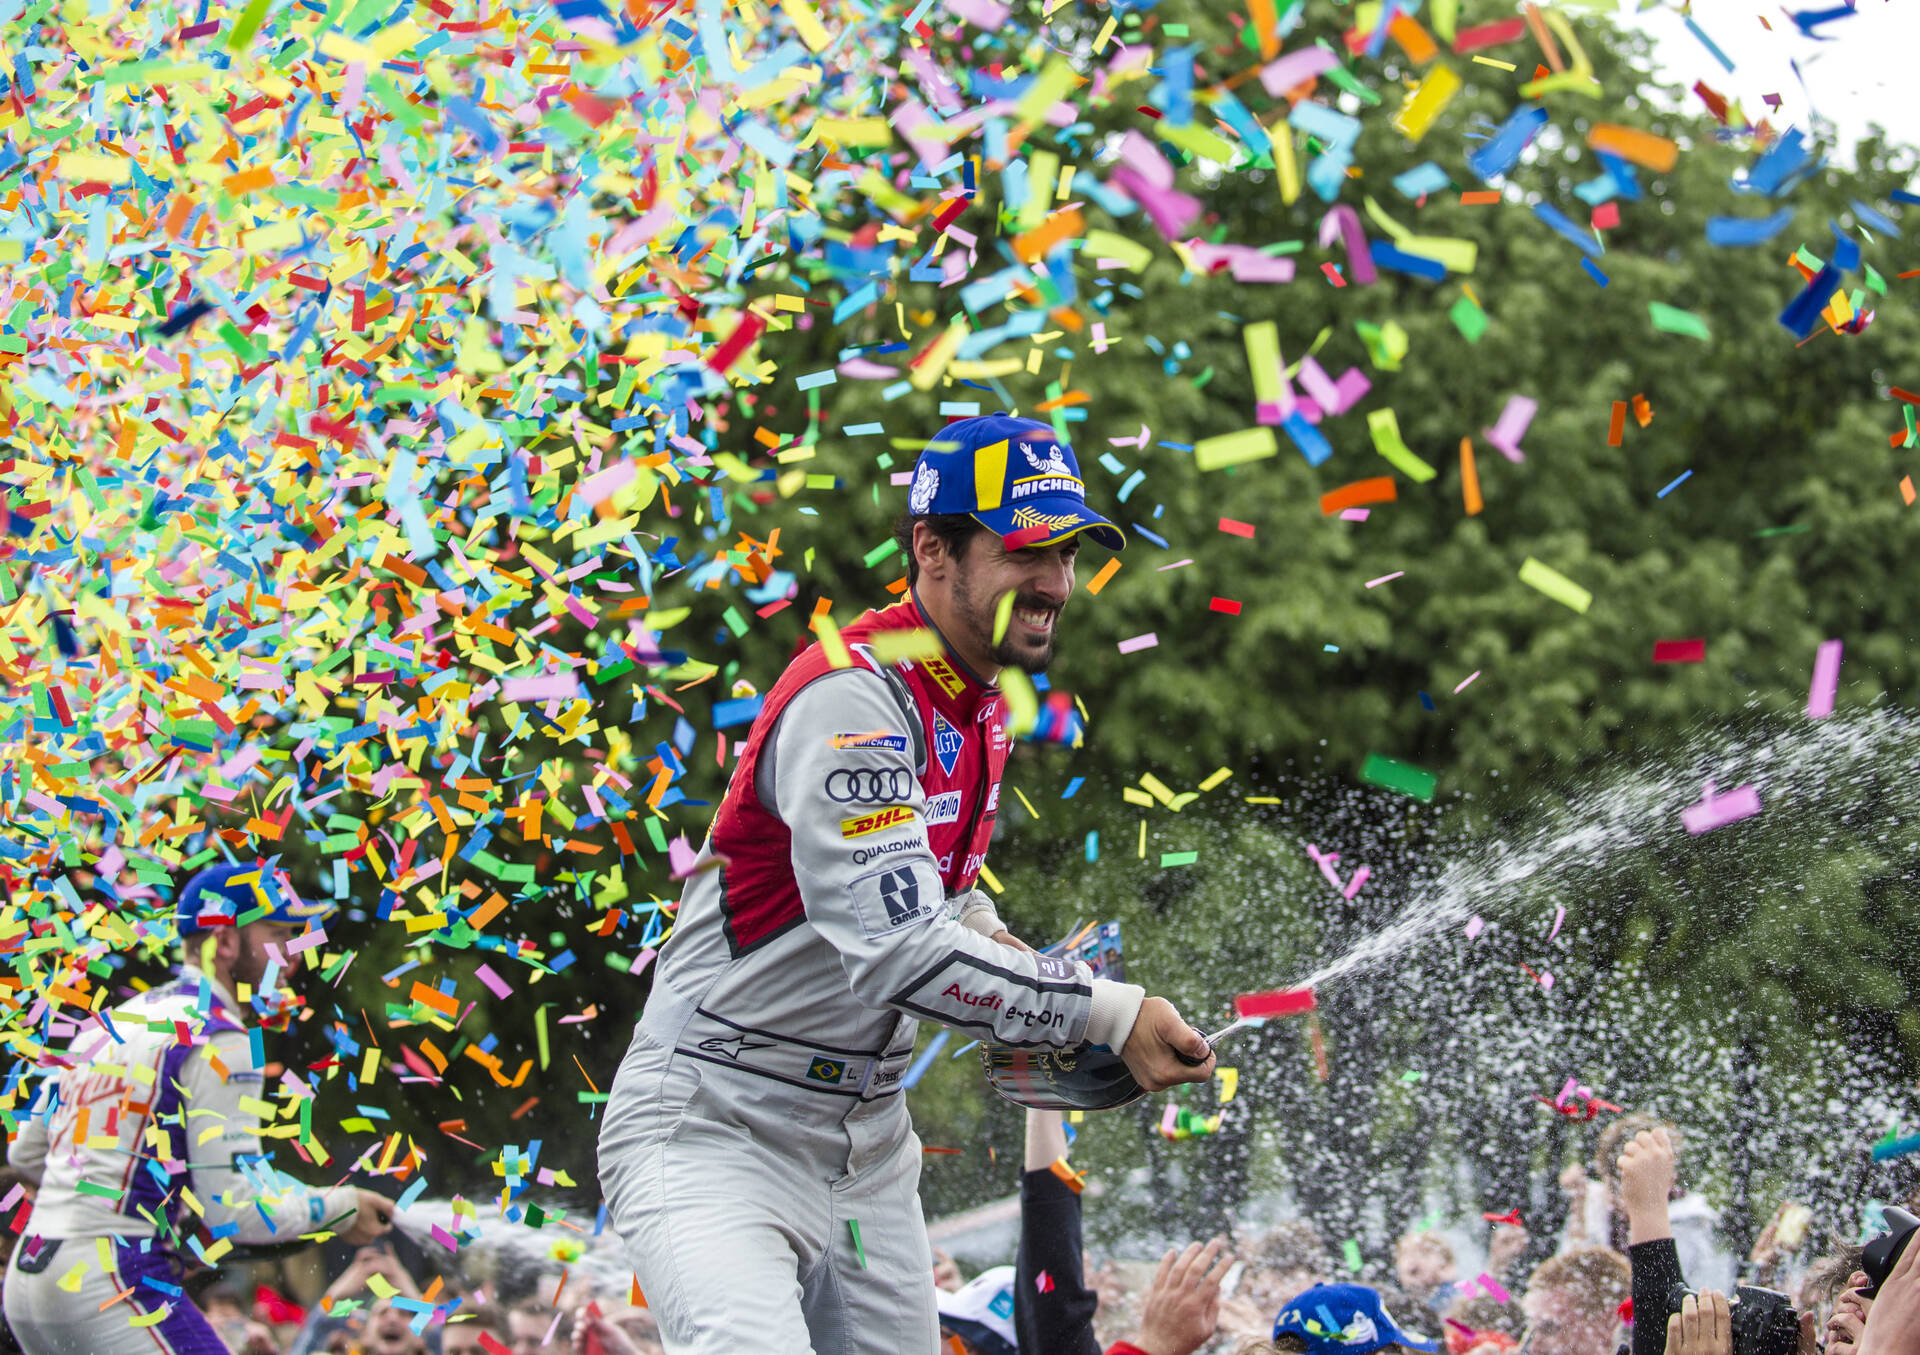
(860, 1069)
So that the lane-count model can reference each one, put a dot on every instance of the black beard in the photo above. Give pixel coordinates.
(1005, 653)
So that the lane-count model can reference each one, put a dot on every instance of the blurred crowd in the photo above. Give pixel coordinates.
(1636, 1271)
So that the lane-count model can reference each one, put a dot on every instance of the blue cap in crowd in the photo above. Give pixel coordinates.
(1345, 1319)
(221, 895)
(1009, 475)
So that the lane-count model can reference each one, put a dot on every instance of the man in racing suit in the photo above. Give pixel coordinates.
(756, 1155)
(145, 1145)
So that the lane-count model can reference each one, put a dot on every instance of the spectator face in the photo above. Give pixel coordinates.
(1559, 1324)
(389, 1334)
(1423, 1265)
(462, 1338)
(529, 1330)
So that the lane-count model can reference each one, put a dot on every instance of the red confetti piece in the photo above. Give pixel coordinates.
(1679, 651)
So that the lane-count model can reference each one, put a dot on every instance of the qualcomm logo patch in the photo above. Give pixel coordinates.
(947, 742)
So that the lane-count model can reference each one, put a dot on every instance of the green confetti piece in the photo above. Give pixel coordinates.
(859, 1248)
(1676, 321)
(1468, 318)
(735, 622)
(879, 553)
(1392, 774)
(1178, 859)
(1351, 1250)
(251, 18)
(540, 1035)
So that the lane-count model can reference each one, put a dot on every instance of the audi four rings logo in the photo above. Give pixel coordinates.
(870, 786)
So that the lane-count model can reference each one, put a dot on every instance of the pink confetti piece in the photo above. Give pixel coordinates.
(1139, 642)
(496, 985)
(1296, 68)
(681, 857)
(1475, 925)
(1558, 918)
(1512, 426)
(1493, 1288)
(1464, 681)
(642, 960)
(1386, 578)
(549, 687)
(1326, 861)
(1360, 877)
(1170, 1120)
(1354, 514)
(1717, 811)
(1826, 680)
(1177, 564)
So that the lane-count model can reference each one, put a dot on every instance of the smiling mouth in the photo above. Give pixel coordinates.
(1041, 621)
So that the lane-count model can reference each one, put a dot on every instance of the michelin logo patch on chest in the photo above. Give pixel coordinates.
(947, 742)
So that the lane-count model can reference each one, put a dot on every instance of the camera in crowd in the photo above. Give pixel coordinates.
(1764, 1322)
(1882, 1254)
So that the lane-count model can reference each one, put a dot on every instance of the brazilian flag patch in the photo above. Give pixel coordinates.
(828, 1072)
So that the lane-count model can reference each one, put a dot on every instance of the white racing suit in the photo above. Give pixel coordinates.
(756, 1155)
(145, 1146)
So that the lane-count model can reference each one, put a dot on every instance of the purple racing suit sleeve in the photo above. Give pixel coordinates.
(873, 891)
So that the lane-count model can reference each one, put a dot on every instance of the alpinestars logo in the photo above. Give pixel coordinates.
(947, 742)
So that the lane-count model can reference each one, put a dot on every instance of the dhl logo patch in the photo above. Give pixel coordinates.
(876, 821)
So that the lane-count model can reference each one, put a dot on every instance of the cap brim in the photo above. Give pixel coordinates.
(1062, 517)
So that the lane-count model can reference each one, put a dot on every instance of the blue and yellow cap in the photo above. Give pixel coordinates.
(221, 895)
(1009, 475)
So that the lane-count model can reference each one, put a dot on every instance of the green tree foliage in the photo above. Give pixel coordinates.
(1317, 669)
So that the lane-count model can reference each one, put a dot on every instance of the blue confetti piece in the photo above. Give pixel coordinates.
(1783, 165)
(1896, 1148)
(1810, 19)
(1414, 265)
(920, 1065)
(1312, 443)
(1737, 231)
(1426, 701)
(1803, 312)
(1593, 271)
(1709, 43)
(1872, 219)
(740, 711)
(1568, 227)
(1421, 180)
(1503, 148)
(1846, 251)
(1073, 787)
(1678, 481)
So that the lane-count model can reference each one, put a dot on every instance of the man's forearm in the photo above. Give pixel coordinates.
(1046, 1139)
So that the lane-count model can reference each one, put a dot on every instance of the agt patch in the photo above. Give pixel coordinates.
(878, 738)
(947, 742)
(944, 808)
(943, 674)
(897, 817)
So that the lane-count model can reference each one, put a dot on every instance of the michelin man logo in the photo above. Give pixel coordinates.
(1055, 462)
(926, 483)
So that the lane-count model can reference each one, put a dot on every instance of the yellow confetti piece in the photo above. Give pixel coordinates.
(1385, 427)
(991, 880)
(1263, 361)
(1107, 245)
(1217, 778)
(934, 365)
(1232, 449)
(1555, 585)
(1425, 104)
(1028, 803)
(1496, 63)
(891, 646)
(806, 22)
(1003, 616)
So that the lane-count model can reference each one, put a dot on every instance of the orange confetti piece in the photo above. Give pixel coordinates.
(1657, 153)
(1469, 478)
